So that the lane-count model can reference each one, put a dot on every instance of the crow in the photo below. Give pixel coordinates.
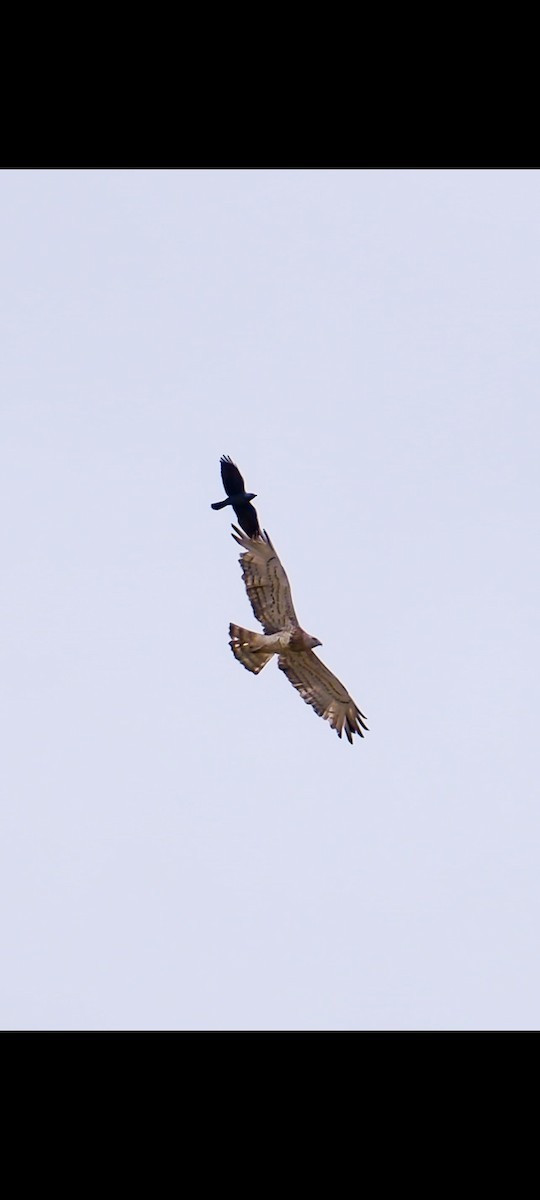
(238, 497)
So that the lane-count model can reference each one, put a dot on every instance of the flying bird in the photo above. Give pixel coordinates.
(269, 592)
(238, 497)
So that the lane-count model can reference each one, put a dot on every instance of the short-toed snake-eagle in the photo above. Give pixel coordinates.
(269, 592)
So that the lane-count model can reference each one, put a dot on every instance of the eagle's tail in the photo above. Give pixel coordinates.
(248, 648)
(220, 503)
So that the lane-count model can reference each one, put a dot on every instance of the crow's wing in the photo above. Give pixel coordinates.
(232, 479)
(325, 693)
(266, 583)
(248, 519)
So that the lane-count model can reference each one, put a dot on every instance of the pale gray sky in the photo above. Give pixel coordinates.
(186, 846)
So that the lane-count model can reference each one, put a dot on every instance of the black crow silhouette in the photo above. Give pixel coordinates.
(238, 497)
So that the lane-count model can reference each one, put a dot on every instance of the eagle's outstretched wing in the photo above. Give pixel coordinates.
(321, 689)
(266, 583)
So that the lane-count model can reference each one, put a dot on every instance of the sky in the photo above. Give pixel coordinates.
(186, 846)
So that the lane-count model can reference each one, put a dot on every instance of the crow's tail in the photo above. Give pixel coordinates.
(220, 504)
